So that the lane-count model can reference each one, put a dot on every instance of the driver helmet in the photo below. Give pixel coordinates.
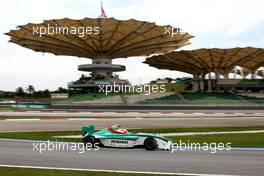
(117, 129)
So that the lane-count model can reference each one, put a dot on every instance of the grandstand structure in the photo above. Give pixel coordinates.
(245, 73)
(212, 67)
(195, 98)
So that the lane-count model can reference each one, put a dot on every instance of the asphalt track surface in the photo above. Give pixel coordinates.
(76, 124)
(159, 110)
(234, 162)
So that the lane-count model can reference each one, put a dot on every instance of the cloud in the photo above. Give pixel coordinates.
(42, 70)
(227, 16)
(139, 73)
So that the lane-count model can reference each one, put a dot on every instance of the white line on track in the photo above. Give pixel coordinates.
(21, 119)
(109, 171)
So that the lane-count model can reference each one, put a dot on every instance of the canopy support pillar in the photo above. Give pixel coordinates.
(253, 75)
(217, 77)
(195, 83)
(209, 83)
(202, 83)
(226, 75)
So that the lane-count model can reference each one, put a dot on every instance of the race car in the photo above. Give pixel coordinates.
(116, 136)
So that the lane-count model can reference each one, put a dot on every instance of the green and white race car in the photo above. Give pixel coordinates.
(115, 136)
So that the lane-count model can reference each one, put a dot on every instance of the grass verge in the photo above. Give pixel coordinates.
(9, 171)
(47, 135)
(197, 129)
(94, 96)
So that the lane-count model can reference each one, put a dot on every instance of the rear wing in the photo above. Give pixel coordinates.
(87, 129)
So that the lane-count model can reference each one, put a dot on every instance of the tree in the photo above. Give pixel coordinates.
(37, 94)
(62, 90)
(30, 89)
(46, 93)
(8, 95)
(20, 92)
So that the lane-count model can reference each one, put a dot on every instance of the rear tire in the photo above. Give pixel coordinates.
(89, 140)
(150, 143)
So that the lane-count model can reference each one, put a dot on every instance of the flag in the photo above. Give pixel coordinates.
(103, 14)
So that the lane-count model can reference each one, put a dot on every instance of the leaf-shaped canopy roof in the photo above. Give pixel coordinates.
(202, 61)
(116, 39)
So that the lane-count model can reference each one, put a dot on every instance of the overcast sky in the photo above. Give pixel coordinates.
(214, 23)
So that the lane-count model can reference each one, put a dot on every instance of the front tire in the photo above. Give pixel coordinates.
(150, 143)
(89, 140)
